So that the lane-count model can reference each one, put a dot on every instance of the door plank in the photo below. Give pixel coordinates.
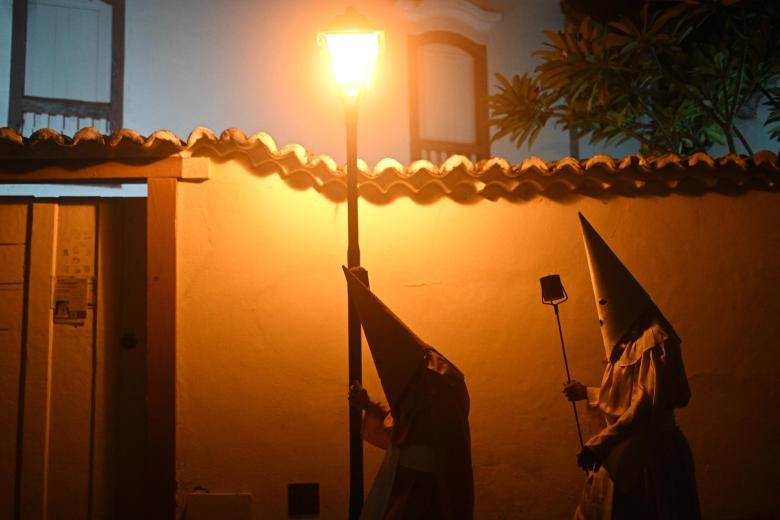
(12, 250)
(72, 371)
(107, 314)
(34, 472)
(131, 430)
(14, 219)
(12, 263)
(161, 348)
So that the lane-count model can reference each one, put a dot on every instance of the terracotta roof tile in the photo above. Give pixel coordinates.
(457, 177)
(87, 143)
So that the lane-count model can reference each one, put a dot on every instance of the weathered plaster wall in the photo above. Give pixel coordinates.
(262, 334)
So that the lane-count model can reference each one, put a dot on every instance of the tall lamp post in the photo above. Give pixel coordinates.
(352, 47)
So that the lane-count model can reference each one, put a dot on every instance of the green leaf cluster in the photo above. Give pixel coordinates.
(676, 76)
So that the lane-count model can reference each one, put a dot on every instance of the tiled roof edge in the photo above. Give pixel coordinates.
(88, 143)
(457, 177)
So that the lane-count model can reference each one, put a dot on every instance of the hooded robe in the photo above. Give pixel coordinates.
(647, 467)
(426, 473)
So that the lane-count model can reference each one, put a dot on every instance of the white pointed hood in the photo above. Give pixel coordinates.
(620, 299)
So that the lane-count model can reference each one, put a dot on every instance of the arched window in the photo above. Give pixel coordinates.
(447, 96)
(67, 65)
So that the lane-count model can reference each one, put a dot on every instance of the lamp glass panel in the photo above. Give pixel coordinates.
(352, 57)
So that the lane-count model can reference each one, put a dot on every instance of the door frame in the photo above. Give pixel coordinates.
(161, 176)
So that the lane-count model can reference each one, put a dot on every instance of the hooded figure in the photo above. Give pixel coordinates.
(640, 465)
(426, 472)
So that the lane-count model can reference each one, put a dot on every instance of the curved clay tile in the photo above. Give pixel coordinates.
(457, 177)
(88, 143)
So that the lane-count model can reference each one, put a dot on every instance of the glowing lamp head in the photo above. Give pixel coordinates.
(352, 47)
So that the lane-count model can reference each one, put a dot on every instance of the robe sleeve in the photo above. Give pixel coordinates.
(657, 387)
(593, 396)
(377, 426)
(636, 416)
(594, 419)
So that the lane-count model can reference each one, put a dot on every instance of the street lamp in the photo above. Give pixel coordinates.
(352, 47)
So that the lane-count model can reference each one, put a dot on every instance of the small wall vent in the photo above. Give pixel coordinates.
(303, 499)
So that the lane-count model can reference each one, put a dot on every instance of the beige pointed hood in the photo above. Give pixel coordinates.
(397, 351)
(620, 299)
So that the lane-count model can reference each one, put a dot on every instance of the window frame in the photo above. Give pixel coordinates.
(480, 149)
(19, 103)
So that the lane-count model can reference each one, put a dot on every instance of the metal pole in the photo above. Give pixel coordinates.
(353, 323)
(568, 377)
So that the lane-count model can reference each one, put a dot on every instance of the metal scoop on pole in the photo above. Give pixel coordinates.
(554, 294)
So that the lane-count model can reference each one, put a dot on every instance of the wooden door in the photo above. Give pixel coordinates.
(13, 249)
(74, 335)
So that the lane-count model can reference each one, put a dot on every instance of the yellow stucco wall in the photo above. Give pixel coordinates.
(262, 367)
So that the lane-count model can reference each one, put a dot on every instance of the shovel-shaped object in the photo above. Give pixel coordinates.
(554, 294)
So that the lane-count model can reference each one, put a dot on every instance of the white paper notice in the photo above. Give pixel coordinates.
(70, 300)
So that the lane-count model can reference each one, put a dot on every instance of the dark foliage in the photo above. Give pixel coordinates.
(673, 76)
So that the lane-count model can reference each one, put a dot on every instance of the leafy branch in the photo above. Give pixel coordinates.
(675, 79)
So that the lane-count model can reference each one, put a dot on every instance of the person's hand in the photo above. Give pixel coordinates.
(358, 396)
(588, 460)
(575, 391)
